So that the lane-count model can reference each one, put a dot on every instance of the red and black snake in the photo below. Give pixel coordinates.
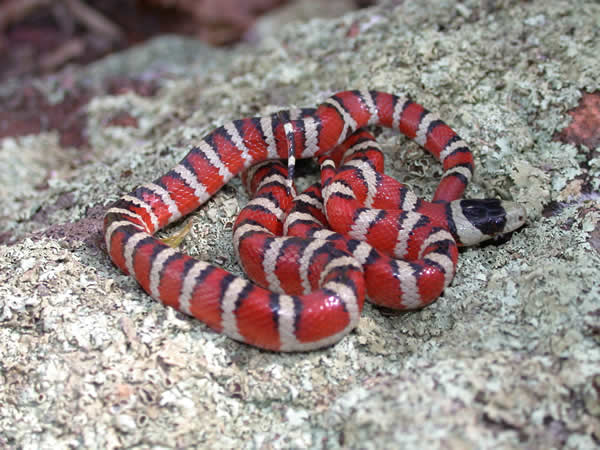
(358, 233)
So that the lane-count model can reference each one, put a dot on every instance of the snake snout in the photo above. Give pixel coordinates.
(515, 216)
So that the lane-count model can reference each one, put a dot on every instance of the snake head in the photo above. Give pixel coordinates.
(478, 220)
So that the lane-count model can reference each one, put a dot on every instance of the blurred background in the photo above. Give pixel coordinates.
(42, 36)
(49, 42)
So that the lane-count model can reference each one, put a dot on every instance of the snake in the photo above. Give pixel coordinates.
(313, 258)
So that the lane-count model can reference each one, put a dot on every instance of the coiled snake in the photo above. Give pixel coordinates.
(358, 233)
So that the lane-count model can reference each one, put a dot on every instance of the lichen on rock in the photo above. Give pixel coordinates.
(507, 357)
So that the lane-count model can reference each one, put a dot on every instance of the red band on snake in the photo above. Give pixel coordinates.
(319, 299)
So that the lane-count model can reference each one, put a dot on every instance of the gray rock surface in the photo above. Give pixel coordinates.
(508, 357)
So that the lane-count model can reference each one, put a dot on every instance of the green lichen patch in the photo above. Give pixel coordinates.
(507, 357)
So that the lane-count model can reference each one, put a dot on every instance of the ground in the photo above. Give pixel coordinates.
(508, 357)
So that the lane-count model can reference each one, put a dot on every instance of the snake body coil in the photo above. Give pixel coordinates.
(358, 233)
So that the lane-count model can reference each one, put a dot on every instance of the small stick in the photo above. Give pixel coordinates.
(93, 19)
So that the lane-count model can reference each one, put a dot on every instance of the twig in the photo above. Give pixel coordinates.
(66, 51)
(94, 20)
